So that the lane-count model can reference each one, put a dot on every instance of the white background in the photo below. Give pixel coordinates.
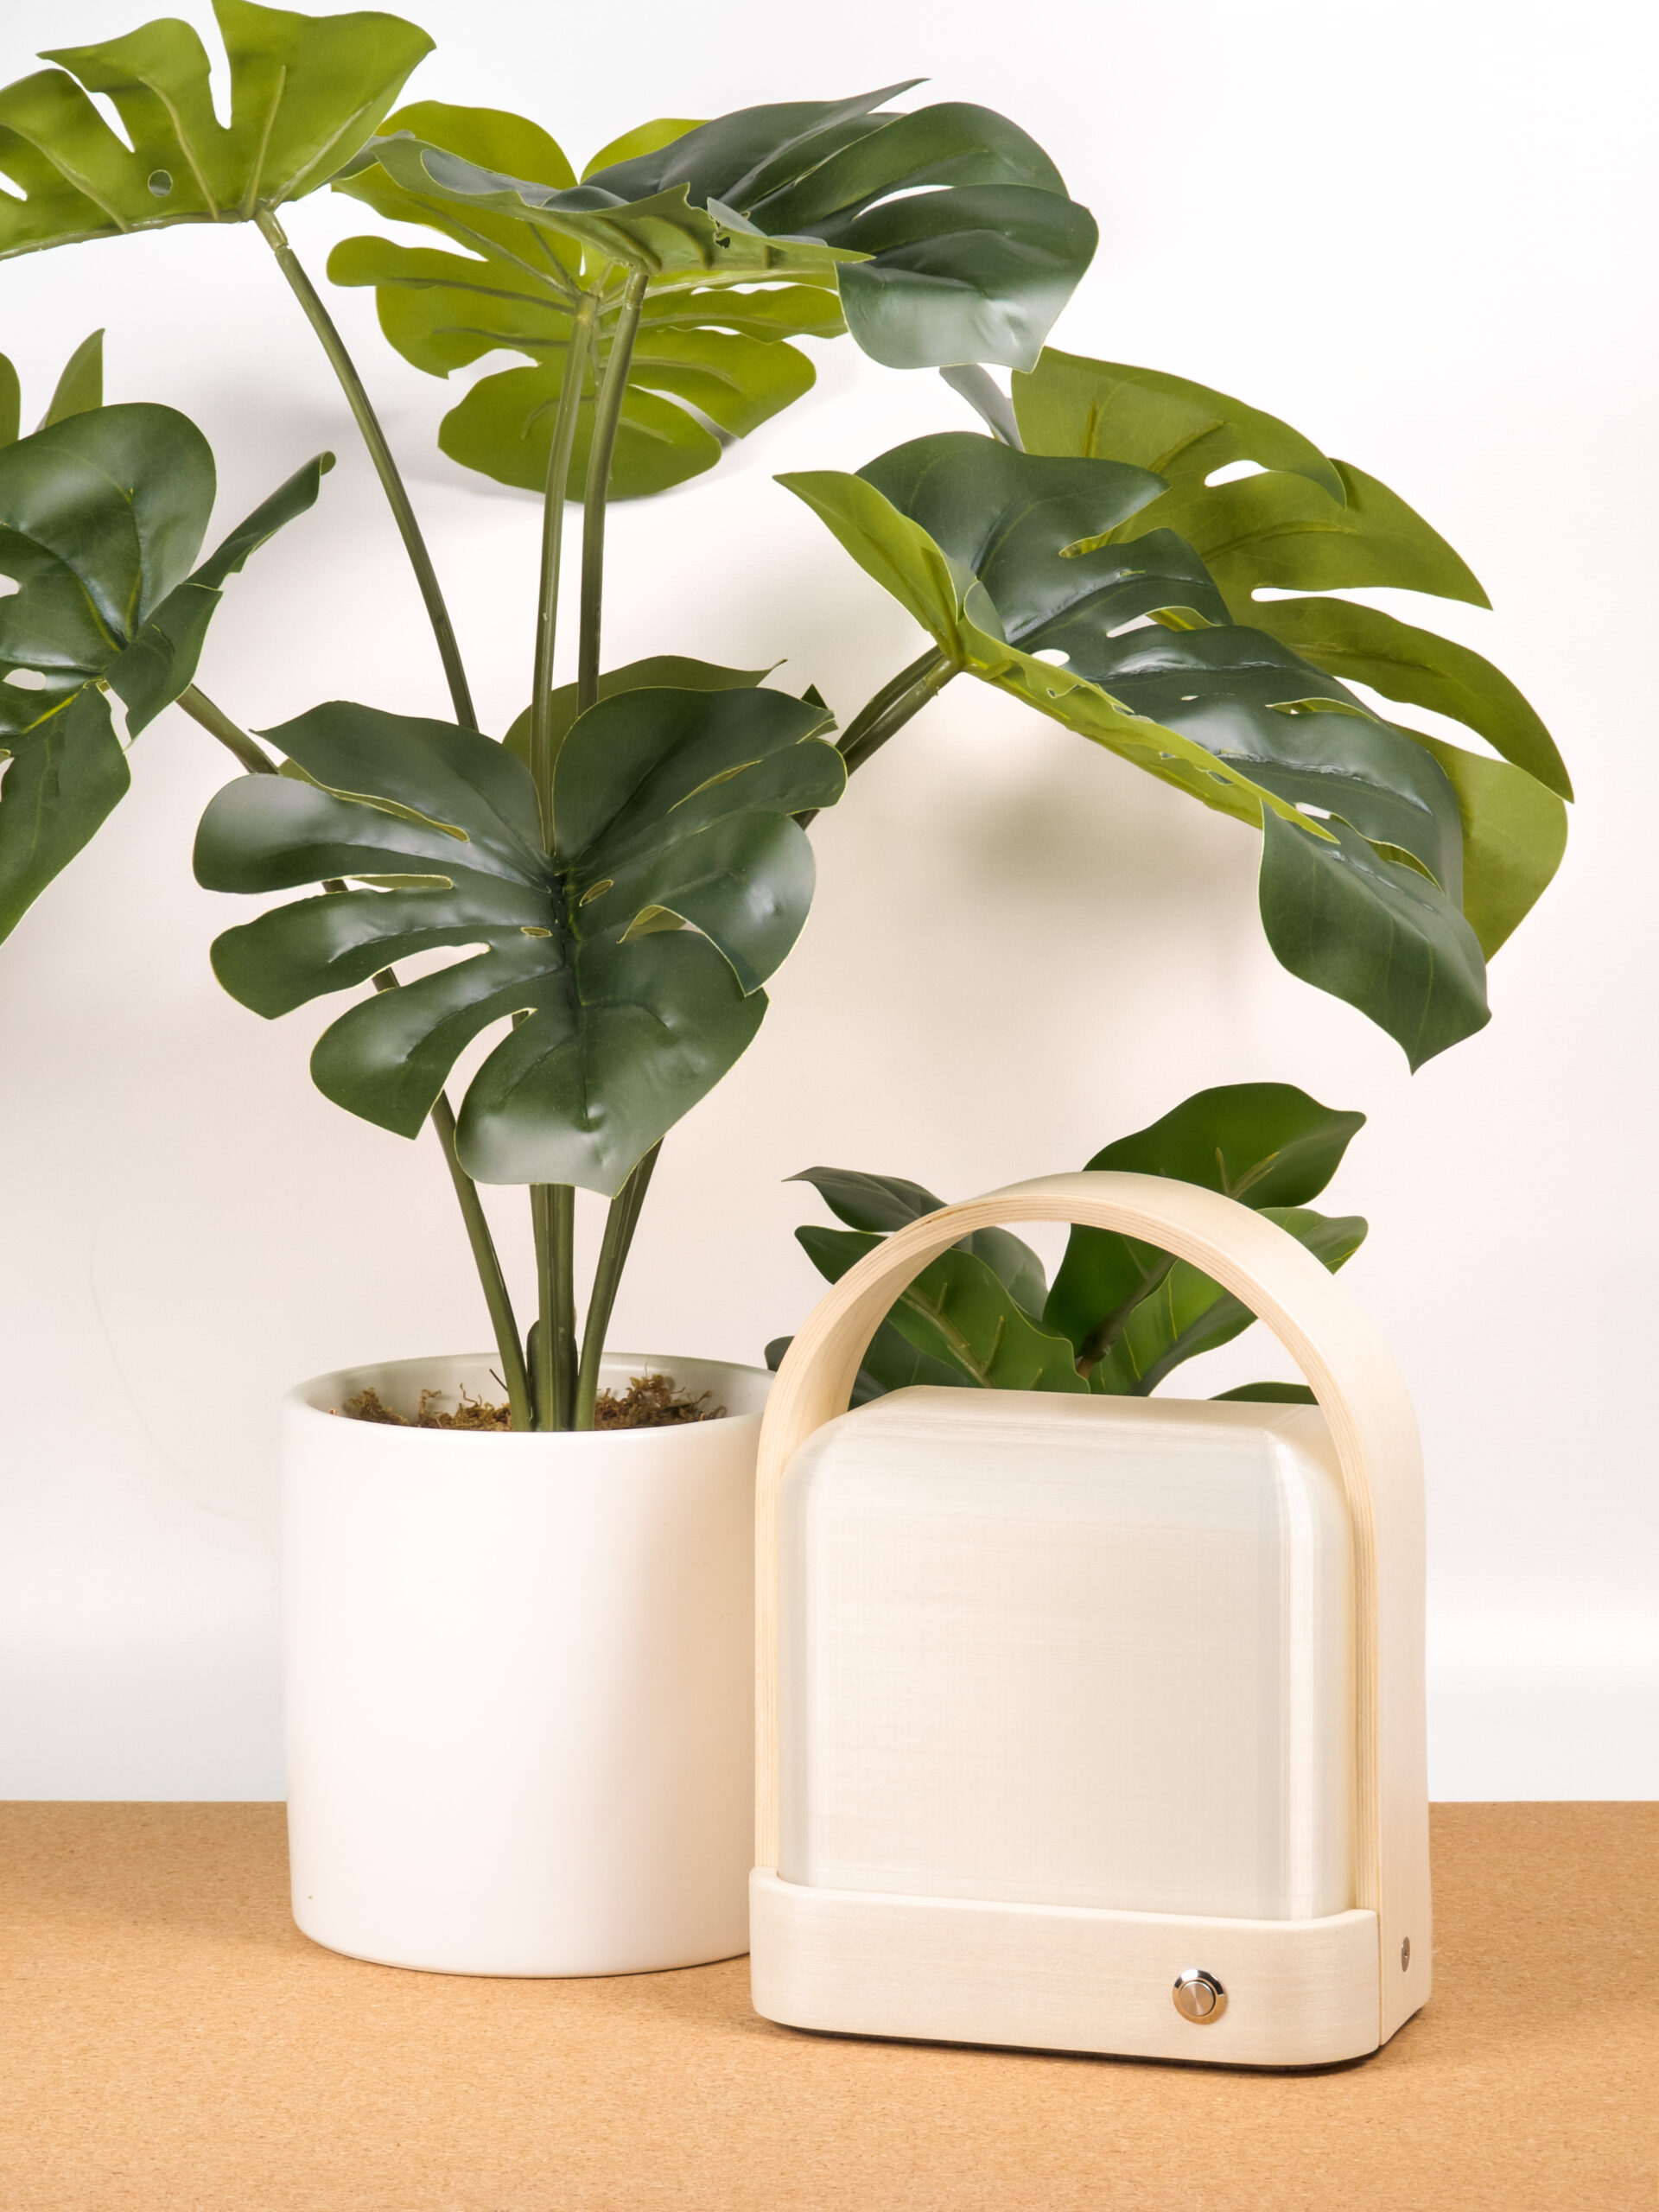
(1421, 232)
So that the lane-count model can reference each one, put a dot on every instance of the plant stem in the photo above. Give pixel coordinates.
(547, 612)
(380, 453)
(620, 1225)
(607, 414)
(553, 1216)
(885, 714)
(201, 708)
(492, 1283)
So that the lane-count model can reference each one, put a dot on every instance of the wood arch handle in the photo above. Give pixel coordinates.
(1363, 1397)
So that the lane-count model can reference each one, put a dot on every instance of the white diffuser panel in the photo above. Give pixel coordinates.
(1060, 1650)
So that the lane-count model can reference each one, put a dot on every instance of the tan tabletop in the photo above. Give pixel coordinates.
(169, 2039)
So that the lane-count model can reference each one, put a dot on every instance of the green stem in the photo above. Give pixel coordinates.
(553, 1216)
(553, 498)
(380, 453)
(607, 414)
(885, 714)
(201, 708)
(492, 1283)
(619, 1224)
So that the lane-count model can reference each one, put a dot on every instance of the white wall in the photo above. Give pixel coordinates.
(1421, 232)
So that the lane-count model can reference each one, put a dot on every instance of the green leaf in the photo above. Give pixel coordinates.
(670, 803)
(944, 235)
(1514, 835)
(888, 1202)
(889, 1365)
(1006, 557)
(1267, 1394)
(66, 774)
(1367, 646)
(671, 671)
(80, 388)
(1105, 411)
(11, 402)
(1375, 933)
(958, 1311)
(1188, 1313)
(700, 345)
(1263, 1144)
(101, 515)
(305, 92)
(1306, 522)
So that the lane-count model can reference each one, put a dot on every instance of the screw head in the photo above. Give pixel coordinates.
(1405, 1953)
(1198, 1996)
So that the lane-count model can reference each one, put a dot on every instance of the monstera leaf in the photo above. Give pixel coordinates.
(1123, 1314)
(305, 92)
(944, 234)
(1016, 563)
(79, 389)
(634, 952)
(1304, 523)
(101, 515)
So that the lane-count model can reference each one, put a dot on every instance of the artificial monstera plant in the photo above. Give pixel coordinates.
(1120, 1315)
(612, 881)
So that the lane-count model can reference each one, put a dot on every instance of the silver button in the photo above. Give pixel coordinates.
(1199, 1995)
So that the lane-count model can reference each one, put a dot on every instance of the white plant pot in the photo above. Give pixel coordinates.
(518, 1679)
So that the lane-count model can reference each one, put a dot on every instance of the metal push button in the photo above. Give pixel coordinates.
(1198, 1996)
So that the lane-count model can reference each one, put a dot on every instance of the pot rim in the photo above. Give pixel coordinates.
(298, 1403)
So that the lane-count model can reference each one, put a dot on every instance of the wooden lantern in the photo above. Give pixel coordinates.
(1093, 1724)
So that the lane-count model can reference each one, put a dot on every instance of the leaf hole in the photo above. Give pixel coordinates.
(1318, 813)
(530, 929)
(160, 182)
(595, 891)
(7, 585)
(27, 679)
(1052, 655)
(1231, 472)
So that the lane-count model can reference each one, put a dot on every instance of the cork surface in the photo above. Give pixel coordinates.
(168, 2040)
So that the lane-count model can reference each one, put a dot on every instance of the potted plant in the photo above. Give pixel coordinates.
(517, 1662)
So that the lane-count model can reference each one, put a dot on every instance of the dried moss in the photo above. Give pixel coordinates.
(650, 1401)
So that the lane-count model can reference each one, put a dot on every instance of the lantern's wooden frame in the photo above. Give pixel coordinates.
(1300, 1992)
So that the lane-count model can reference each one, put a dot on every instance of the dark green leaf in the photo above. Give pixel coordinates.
(671, 805)
(11, 402)
(80, 388)
(1264, 1144)
(960, 1312)
(101, 515)
(1006, 557)
(669, 671)
(305, 92)
(1188, 1313)
(1376, 933)
(67, 772)
(1269, 1394)
(888, 1202)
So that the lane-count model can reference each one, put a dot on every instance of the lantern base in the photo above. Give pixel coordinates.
(1293, 1992)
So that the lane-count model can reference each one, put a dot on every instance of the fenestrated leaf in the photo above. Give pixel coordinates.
(1311, 524)
(80, 387)
(945, 235)
(958, 1310)
(1304, 523)
(1005, 557)
(699, 347)
(67, 772)
(668, 803)
(101, 515)
(1424, 669)
(305, 92)
(883, 1203)
(1187, 1312)
(1263, 1144)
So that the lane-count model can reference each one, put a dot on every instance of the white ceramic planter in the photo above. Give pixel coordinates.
(518, 1679)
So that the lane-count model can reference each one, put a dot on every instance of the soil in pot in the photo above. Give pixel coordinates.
(649, 1401)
